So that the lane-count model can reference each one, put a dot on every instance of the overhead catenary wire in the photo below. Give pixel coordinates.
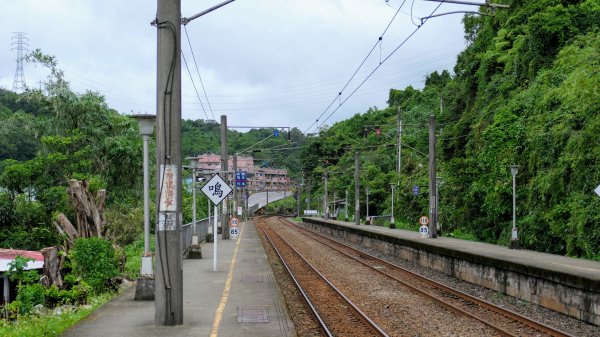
(338, 96)
(198, 71)
(378, 66)
(194, 84)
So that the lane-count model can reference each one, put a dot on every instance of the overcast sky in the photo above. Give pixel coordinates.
(262, 62)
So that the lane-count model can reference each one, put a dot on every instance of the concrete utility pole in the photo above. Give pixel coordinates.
(325, 198)
(357, 188)
(169, 272)
(399, 131)
(224, 169)
(432, 182)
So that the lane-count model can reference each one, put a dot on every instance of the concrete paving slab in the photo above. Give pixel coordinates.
(211, 298)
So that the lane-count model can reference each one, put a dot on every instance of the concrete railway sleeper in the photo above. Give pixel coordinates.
(336, 313)
(505, 322)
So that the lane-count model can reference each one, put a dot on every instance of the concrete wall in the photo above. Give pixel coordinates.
(563, 293)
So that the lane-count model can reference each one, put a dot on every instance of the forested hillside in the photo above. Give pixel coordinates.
(526, 91)
(48, 137)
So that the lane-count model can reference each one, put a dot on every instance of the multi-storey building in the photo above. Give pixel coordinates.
(258, 178)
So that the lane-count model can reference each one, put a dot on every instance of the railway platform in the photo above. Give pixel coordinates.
(567, 285)
(241, 298)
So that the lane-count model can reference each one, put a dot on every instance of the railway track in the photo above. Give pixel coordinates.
(334, 312)
(504, 322)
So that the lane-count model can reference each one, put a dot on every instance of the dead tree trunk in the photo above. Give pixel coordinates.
(89, 209)
(89, 212)
(66, 229)
(53, 263)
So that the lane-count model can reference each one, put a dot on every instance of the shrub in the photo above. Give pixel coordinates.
(94, 261)
(124, 223)
(29, 296)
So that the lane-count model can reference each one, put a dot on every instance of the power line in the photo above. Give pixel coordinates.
(198, 71)
(194, 84)
(379, 65)
(357, 69)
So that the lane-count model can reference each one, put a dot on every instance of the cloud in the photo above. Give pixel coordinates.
(262, 62)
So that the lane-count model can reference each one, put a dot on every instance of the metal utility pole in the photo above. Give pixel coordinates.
(399, 130)
(325, 198)
(357, 188)
(224, 169)
(432, 182)
(478, 4)
(235, 187)
(169, 272)
(20, 42)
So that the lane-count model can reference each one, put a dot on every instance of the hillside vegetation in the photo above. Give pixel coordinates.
(525, 91)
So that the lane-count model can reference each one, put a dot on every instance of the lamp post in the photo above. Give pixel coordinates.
(193, 167)
(145, 284)
(514, 241)
(367, 219)
(438, 183)
(146, 124)
(346, 205)
(319, 208)
(392, 220)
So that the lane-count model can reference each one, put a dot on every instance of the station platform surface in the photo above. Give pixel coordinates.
(241, 298)
(579, 272)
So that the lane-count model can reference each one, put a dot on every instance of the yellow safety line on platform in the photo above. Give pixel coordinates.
(219, 314)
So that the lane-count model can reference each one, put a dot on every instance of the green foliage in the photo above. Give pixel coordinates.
(283, 206)
(51, 324)
(77, 293)
(94, 260)
(525, 91)
(16, 270)
(124, 223)
(29, 296)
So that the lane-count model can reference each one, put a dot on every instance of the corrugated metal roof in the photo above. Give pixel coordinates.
(8, 255)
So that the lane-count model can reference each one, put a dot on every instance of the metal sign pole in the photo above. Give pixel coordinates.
(215, 238)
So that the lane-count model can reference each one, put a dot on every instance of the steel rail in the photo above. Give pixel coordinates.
(305, 297)
(362, 316)
(484, 304)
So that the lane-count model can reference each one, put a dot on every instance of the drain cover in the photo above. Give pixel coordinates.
(252, 314)
(252, 277)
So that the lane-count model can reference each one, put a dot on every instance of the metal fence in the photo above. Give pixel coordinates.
(186, 232)
(380, 220)
(201, 228)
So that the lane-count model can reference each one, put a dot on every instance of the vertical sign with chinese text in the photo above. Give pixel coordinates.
(167, 212)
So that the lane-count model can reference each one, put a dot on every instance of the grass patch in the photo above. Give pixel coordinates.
(134, 252)
(51, 324)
